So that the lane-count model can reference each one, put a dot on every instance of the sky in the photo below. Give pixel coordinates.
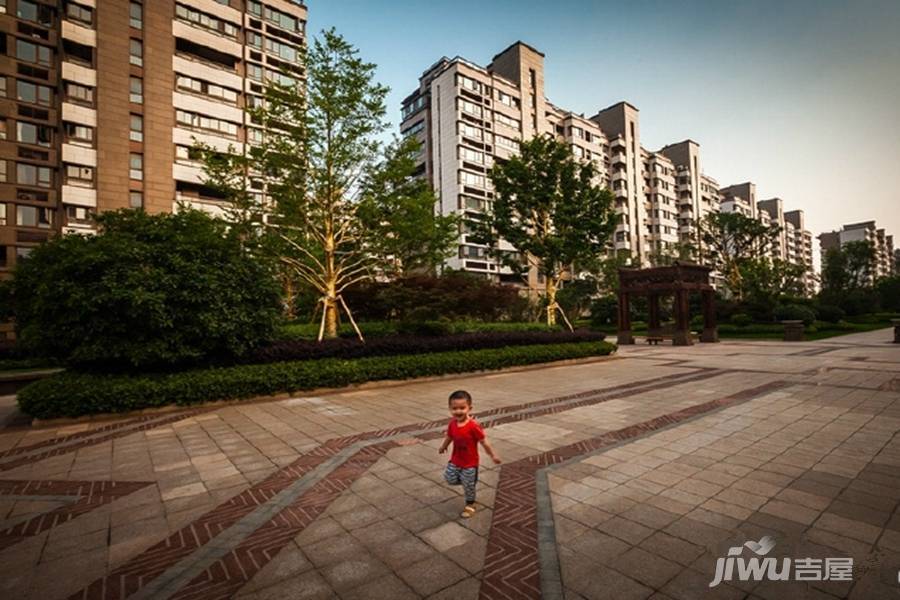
(801, 97)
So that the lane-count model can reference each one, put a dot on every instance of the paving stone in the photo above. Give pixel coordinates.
(431, 575)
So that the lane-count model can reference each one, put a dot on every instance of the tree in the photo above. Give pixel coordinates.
(399, 211)
(333, 189)
(731, 239)
(148, 291)
(549, 208)
(848, 267)
(766, 280)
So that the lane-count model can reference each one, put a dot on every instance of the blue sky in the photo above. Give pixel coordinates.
(800, 97)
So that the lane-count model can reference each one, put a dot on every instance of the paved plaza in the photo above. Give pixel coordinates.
(624, 477)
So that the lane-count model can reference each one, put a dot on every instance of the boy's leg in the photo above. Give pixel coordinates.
(469, 477)
(451, 474)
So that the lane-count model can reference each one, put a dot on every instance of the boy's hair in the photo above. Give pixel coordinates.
(460, 395)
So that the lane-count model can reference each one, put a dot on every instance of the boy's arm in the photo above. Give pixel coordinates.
(444, 444)
(490, 450)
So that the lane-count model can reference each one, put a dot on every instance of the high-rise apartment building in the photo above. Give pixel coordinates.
(468, 117)
(864, 232)
(103, 100)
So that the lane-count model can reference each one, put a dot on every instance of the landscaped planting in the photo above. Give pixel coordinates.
(393, 345)
(72, 394)
(371, 329)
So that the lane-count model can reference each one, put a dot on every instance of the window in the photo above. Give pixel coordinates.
(469, 131)
(135, 15)
(22, 253)
(189, 84)
(136, 52)
(136, 199)
(509, 122)
(79, 215)
(137, 128)
(2, 170)
(471, 155)
(32, 52)
(3, 222)
(136, 85)
(35, 94)
(29, 133)
(201, 19)
(33, 175)
(281, 50)
(186, 154)
(471, 108)
(279, 18)
(2, 86)
(77, 12)
(81, 134)
(203, 122)
(79, 94)
(471, 178)
(31, 11)
(2, 129)
(136, 162)
(80, 175)
(3, 12)
(33, 216)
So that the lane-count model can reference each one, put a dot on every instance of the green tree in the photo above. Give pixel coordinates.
(147, 291)
(766, 280)
(398, 209)
(730, 240)
(549, 208)
(848, 267)
(334, 189)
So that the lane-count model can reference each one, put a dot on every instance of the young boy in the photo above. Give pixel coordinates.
(465, 433)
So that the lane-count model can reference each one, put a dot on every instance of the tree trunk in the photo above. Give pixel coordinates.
(550, 290)
(290, 296)
(331, 316)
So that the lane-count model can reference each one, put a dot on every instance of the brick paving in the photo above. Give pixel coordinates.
(622, 478)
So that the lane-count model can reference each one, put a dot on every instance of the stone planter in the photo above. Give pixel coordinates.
(793, 331)
(896, 324)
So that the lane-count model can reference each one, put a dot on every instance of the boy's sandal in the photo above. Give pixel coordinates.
(467, 512)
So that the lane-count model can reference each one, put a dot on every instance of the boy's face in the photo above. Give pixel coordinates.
(459, 408)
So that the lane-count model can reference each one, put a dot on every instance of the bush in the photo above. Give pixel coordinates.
(373, 329)
(148, 291)
(794, 312)
(394, 345)
(697, 322)
(829, 313)
(72, 394)
(889, 292)
(741, 319)
(454, 295)
(604, 312)
(424, 328)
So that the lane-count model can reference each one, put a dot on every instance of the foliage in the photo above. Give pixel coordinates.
(146, 291)
(454, 295)
(889, 293)
(398, 210)
(829, 313)
(308, 331)
(549, 208)
(604, 311)
(420, 343)
(741, 319)
(576, 296)
(730, 240)
(795, 312)
(333, 188)
(72, 394)
(765, 280)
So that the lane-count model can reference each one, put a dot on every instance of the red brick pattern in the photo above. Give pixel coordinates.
(60, 445)
(511, 564)
(251, 555)
(90, 494)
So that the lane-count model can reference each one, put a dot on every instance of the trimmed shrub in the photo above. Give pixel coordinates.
(741, 319)
(795, 312)
(395, 345)
(148, 291)
(830, 314)
(424, 328)
(373, 329)
(72, 394)
(697, 322)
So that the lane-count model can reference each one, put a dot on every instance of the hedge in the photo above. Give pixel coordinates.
(393, 345)
(72, 394)
(371, 329)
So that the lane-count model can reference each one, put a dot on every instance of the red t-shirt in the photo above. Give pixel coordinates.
(465, 442)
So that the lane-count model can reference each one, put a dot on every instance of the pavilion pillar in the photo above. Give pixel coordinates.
(710, 331)
(624, 336)
(682, 334)
(653, 328)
